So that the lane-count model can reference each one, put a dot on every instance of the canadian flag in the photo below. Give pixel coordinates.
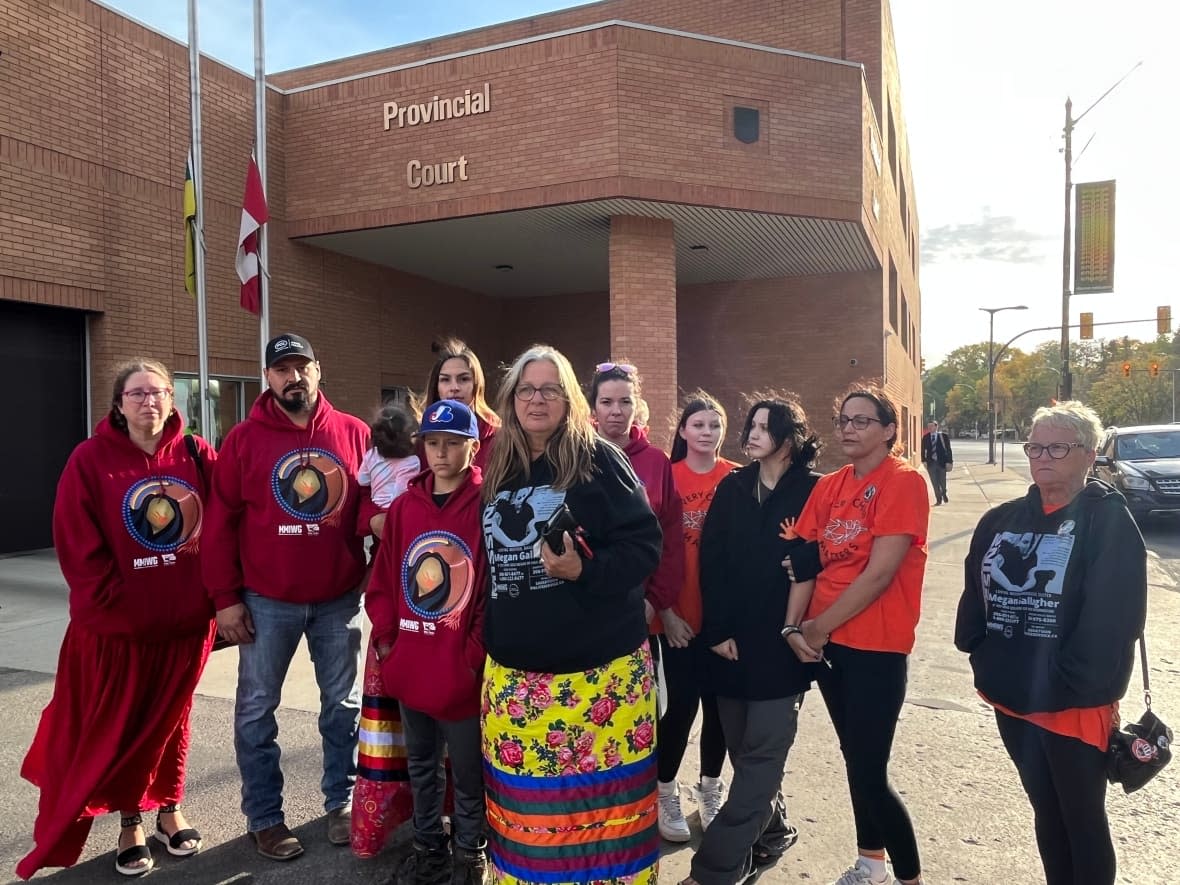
(254, 215)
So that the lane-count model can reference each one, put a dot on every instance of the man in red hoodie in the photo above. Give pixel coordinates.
(282, 561)
(426, 599)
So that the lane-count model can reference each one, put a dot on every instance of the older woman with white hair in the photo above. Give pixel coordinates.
(1055, 597)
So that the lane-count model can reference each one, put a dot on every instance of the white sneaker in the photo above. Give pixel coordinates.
(673, 826)
(709, 801)
(860, 874)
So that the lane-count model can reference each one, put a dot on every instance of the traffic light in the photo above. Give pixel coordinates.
(1163, 319)
(1087, 324)
(1154, 369)
(1126, 370)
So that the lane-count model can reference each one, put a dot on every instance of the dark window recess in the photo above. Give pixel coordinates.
(399, 395)
(745, 124)
(893, 296)
(905, 325)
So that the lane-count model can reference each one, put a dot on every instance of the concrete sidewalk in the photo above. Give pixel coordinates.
(973, 821)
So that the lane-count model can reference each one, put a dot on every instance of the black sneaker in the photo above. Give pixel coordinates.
(471, 867)
(424, 866)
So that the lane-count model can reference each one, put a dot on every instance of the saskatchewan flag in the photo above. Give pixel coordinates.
(190, 229)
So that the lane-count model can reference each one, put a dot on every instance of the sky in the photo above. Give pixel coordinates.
(983, 94)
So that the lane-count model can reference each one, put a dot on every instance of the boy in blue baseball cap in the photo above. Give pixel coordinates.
(426, 601)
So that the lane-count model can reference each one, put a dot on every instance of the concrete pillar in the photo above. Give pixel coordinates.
(643, 311)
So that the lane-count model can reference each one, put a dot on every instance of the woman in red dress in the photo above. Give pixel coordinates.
(115, 736)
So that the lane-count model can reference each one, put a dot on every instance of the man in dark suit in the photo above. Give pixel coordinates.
(936, 455)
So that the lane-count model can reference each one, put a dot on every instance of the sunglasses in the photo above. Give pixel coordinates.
(625, 368)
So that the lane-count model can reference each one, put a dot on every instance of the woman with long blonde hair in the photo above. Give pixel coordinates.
(569, 695)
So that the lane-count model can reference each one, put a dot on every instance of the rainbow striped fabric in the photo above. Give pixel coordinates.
(570, 774)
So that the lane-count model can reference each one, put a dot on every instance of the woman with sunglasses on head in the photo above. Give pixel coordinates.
(569, 702)
(115, 736)
(458, 374)
(1055, 595)
(616, 399)
(870, 519)
(758, 681)
(697, 468)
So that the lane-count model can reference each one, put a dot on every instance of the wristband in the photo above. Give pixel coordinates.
(788, 630)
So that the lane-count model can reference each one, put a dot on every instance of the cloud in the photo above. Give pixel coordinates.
(994, 238)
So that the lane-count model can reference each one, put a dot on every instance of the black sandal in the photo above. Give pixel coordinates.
(177, 839)
(135, 854)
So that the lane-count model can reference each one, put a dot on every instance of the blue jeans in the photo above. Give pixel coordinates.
(333, 631)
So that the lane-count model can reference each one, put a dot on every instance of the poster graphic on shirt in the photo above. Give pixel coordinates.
(512, 526)
(437, 577)
(162, 513)
(310, 484)
(1023, 575)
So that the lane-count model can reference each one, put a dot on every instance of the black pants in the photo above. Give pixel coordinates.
(1065, 780)
(760, 734)
(425, 738)
(864, 691)
(682, 682)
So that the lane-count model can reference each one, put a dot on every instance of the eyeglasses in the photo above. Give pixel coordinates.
(549, 392)
(625, 368)
(139, 396)
(860, 422)
(1056, 451)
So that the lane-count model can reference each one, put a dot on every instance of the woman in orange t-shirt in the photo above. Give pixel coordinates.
(870, 520)
(697, 468)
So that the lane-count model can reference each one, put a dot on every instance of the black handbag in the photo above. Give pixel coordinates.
(1140, 750)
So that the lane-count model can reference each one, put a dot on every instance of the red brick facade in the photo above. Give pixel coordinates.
(94, 129)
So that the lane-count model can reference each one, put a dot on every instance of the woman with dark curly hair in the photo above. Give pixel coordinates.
(758, 681)
(870, 519)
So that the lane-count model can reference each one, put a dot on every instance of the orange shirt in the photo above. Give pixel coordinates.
(696, 491)
(844, 514)
(1090, 725)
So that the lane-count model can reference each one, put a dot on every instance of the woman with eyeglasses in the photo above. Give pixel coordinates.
(1055, 595)
(115, 736)
(870, 519)
(616, 399)
(758, 681)
(458, 374)
(569, 699)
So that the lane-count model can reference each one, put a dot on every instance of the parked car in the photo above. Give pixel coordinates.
(1144, 464)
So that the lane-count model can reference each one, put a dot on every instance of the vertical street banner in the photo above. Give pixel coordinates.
(1093, 266)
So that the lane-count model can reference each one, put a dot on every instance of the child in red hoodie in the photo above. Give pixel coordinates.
(426, 600)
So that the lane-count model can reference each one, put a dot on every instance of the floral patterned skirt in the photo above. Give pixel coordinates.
(570, 773)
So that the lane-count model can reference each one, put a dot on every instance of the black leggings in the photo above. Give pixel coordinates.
(864, 691)
(682, 680)
(1065, 780)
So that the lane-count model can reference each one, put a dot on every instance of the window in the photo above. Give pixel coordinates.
(892, 140)
(893, 294)
(746, 123)
(905, 325)
(399, 395)
(232, 399)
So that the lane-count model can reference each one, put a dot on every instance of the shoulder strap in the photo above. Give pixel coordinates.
(1143, 665)
(195, 454)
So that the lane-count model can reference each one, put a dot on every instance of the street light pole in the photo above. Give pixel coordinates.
(991, 376)
(1067, 240)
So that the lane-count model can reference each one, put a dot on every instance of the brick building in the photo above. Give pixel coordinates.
(720, 196)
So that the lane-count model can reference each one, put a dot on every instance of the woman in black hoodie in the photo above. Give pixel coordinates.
(747, 599)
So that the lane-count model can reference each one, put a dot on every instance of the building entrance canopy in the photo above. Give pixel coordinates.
(563, 249)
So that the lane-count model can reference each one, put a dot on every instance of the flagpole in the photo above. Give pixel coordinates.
(194, 79)
(260, 148)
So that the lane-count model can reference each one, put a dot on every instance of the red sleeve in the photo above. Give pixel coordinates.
(383, 595)
(221, 565)
(904, 509)
(86, 559)
(366, 510)
(475, 651)
(664, 586)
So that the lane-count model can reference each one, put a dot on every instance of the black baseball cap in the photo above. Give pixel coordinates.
(288, 344)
